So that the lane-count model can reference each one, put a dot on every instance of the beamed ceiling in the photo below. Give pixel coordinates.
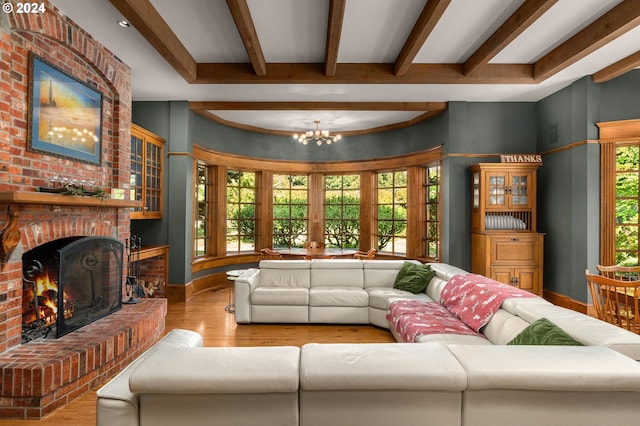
(358, 65)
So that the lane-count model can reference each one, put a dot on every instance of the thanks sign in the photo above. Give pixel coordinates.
(526, 158)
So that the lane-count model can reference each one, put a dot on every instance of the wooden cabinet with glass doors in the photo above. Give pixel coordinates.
(146, 179)
(505, 245)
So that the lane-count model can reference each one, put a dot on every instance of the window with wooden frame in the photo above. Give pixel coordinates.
(241, 211)
(432, 211)
(201, 224)
(392, 212)
(398, 205)
(620, 192)
(290, 210)
(342, 211)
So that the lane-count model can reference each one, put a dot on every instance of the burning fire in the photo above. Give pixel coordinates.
(47, 291)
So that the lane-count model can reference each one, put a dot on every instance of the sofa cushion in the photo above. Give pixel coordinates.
(544, 332)
(218, 370)
(413, 278)
(382, 273)
(285, 273)
(398, 366)
(337, 273)
(379, 297)
(547, 368)
(338, 296)
(450, 339)
(434, 289)
(503, 327)
(280, 296)
(446, 271)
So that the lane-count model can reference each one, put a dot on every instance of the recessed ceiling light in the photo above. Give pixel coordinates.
(123, 23)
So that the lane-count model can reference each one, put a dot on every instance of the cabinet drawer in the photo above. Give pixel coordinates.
(515, 250)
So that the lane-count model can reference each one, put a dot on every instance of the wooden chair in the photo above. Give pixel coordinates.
(624, 273)
(268, 254)
(365, 254)
(615, 301)
(313, 244)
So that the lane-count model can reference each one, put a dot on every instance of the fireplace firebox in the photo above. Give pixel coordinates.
(68, 283)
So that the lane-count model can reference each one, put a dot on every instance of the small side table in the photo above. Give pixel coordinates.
(231, 277)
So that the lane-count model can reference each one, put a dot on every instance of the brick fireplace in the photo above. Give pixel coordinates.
(42, 375)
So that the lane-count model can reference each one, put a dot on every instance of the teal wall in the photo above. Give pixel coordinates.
(568, 181)
(482, 128)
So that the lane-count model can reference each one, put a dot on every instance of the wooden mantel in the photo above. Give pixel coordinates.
(29, 197)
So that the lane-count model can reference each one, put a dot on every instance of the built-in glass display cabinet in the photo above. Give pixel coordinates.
(146, 178)
(504, 242)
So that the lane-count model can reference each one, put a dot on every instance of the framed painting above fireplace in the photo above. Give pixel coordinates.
(65, 114)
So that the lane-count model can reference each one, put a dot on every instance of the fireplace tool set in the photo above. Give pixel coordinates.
(133, 286)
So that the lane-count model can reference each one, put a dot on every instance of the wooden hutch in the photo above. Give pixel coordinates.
(505, 245)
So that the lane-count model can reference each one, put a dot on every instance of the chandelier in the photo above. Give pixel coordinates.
(317, 135)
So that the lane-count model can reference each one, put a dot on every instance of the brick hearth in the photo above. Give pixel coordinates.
(43, 375)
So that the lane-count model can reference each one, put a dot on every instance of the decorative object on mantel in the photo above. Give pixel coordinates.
(9, 236)
(74, 187)
(317, 135)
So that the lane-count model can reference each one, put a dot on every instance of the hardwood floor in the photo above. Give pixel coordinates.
(205, 314)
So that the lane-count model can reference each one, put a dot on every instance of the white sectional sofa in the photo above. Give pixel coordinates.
(372, 384)
(443, 379)
(360, 291)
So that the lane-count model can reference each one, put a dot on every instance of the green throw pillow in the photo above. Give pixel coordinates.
(544, 332)
(413, 278)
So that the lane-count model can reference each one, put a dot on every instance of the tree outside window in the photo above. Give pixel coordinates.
(290, 207)
(392, 212)
(432, 213)
(627, 200)
(201, 231)
(241, 211)
(342, 211)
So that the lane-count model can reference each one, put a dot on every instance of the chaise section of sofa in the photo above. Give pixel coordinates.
(548, 385)
(116, 403)
(241, 386)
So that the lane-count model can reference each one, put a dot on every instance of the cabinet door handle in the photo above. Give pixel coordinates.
(515, 239)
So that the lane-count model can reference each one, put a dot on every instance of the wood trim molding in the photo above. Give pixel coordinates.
(566, 302)
(612, 134)
(288, 166)
(319, 106)
(33, 197)
(607, 204)
(568, 147)
(433, 109)
(621, 129)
